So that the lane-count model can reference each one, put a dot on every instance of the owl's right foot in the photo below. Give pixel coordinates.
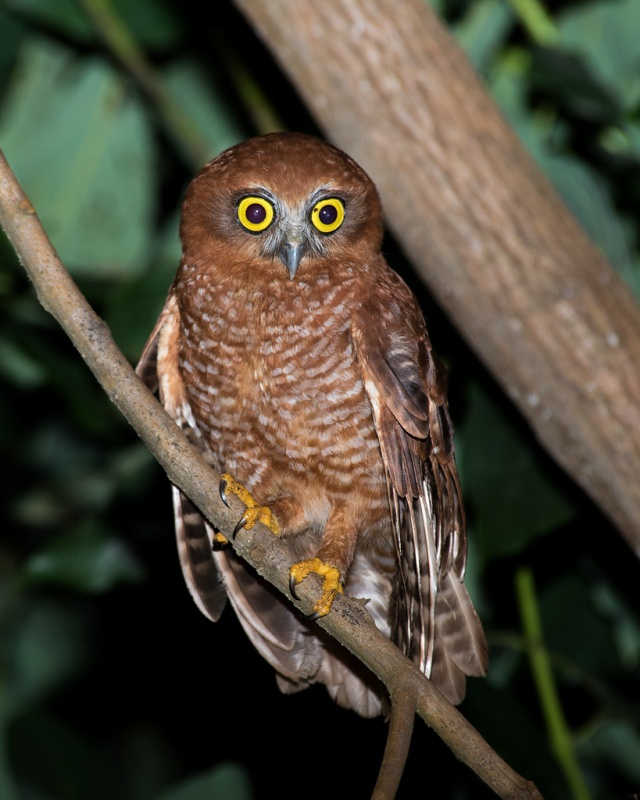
(253, 512)
(331, 584)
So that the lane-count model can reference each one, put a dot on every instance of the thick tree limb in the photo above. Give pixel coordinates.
(524, 285)
(185, 467)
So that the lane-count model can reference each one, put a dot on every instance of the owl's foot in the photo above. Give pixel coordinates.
(253, 512)
(331, 583)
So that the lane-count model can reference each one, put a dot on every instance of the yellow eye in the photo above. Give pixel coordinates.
(328, 214)
(255, 213)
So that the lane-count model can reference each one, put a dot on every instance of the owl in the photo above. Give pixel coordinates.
(299, 363)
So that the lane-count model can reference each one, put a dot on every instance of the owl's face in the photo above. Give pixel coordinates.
(280, 204)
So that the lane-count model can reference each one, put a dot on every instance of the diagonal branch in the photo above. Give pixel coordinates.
(348, 622)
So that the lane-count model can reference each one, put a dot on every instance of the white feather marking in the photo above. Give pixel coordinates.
(427, 520)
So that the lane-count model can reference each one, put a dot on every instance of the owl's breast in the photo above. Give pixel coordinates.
(275, 377)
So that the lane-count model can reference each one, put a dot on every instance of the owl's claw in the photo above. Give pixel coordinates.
(253, 512)
(331, 584)
(241, 524)
(222, 488)
(292, 585)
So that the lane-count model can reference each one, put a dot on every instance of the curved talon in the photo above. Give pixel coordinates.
(314, 615)
(223, 494)
(243, 521)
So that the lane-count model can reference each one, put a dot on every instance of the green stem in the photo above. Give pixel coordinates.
(124, 47)
(557, 728)
(260, 109)
(536, 20)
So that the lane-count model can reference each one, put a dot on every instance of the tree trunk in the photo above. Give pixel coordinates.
(530, 293)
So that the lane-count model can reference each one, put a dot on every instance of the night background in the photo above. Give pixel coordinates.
(112, 684)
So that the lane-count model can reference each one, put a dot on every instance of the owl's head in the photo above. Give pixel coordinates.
(284, 201)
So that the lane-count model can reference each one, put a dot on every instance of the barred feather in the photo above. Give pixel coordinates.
(436, 624)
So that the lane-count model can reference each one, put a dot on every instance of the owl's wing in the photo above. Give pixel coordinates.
(436, 624)
(158, 368)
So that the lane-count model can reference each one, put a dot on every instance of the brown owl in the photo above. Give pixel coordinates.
(299, 363)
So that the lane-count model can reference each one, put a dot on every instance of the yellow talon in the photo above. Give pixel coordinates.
(331, 583)
(253, 512)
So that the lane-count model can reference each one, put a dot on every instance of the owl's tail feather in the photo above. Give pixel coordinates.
(460, 644)
(437, 625)
(201, 575)
(351, 685)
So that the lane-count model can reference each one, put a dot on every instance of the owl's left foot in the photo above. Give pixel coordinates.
(253, 512)
(331, 583)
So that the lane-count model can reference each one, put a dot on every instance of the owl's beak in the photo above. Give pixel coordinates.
(291, 254)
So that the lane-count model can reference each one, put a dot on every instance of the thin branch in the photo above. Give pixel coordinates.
(257, 104)
(348, 622)
(536, 20)
(176, 119)
(125, 49)
(559, 733)
(403, 710)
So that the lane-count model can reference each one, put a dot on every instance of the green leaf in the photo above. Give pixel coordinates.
(589, 200)
(89, 559)
(80, 145)
(605, 34)
(133, 307)
(512, 498)
(624, 624)
(62, 15)
(574, 627)
(509, 88)
(224, 782)
(583, 190)
(567, 79)
(153, 23)
(483, 31)
(205, 105)
(19, 367)
(11, 33)
(616, 745)
(46, 645)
